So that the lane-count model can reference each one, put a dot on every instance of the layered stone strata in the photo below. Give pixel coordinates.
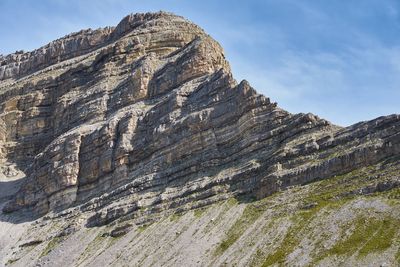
(147, 115)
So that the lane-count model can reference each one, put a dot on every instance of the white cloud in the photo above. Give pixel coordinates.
(344, 87)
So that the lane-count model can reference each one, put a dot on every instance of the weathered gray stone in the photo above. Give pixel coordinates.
(147, 116)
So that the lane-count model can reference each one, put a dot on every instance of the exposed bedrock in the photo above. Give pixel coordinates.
(148, 115)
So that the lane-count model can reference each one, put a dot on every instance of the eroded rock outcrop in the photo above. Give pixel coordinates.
(148, 115)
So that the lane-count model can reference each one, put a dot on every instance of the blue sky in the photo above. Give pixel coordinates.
(337, 59)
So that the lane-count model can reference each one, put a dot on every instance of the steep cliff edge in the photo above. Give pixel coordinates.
(143, 120)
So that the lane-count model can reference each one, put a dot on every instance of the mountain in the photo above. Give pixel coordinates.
(134, 146)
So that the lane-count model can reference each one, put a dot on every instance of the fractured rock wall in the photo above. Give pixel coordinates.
(147, 114)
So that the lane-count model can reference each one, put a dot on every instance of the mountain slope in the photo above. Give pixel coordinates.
(122, 132)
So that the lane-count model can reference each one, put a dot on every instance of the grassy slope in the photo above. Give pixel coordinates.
(365, 230)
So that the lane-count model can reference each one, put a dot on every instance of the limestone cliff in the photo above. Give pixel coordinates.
(143, 120)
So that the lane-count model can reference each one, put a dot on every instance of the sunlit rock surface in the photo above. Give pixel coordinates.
(138, 140)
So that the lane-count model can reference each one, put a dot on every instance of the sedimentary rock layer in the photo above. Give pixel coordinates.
(147, 115)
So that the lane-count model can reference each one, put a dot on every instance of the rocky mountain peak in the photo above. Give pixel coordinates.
(134, 20)
(144, 120)
(21, 63)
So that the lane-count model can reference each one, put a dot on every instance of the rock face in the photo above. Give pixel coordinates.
(145, 118)
(148, 112)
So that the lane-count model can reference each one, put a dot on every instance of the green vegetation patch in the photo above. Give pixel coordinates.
(328, 195)
(232, 202)
(11, 261)
(300, 222)
(337, 190)
(223, 207)
(394, 194)
(397, 257)
(175, 217)
(94, 245)
(198, 213)
(142, 228)
(324, 194)
(251, 213)
(50, 246)
(370, 235)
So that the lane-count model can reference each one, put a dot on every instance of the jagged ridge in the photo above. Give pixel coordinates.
(147, 115)
(131, 128)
